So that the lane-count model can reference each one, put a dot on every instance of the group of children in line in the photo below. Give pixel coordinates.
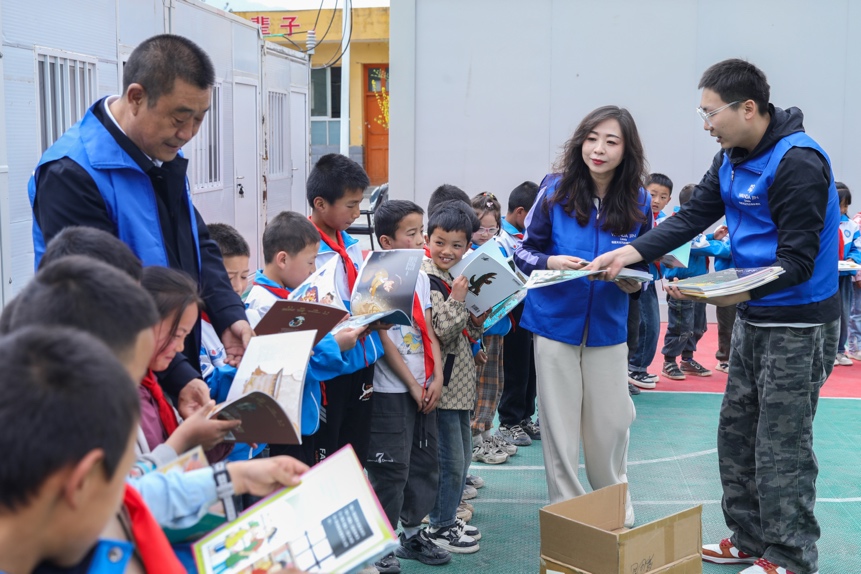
(686, 320)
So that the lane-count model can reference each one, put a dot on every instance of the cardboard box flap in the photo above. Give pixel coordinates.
(662, 542)
(604, 508)
(569, 542)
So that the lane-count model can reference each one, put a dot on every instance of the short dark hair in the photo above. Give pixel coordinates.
(172, 291)
(81, 292)
(686, 193)
(843, 193)
(229, 241)
(63, 394)
(445, 192)
(454, 215)
(736, 80)
(159, 61)
(389, 215)
(332, 176)
(94, 243)
(289, 232)
(660, 179)
(522, 196)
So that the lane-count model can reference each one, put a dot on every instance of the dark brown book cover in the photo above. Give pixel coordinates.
(263, 420)
(293, 316)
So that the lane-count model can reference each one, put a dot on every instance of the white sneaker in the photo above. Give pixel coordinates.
(450, 538)
(467, 529)
(500, 443)
(488, 455)
(469, 492)
(763, 566)
(726, 553)
(842, 360)
(854, 355)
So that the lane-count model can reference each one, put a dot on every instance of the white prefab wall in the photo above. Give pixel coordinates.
(484, 93)
(102, 34)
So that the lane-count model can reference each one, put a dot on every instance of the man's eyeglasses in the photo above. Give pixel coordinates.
(488, 230)
(706, 115)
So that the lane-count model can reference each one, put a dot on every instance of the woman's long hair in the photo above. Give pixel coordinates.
(172, 291)
(621, 210)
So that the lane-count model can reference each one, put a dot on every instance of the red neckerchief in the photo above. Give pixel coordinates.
(279, 292)
(341, 249)
(148, 537)
(205, 318)
(422, 326)
(841, 244)
(427, 251)
(165, 411)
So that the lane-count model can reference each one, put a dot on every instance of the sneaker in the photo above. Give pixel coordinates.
(671, 371)
(450, 538)
(463, 512)
(420, 548)
(763, 566)
(531, 429)
(842, 360)
(466, 505)
(388, 564)
(513, 434)
(488, 455)
(632, 390)
(691, 367)
(499, 444)
(469, 492)
(474, 481)
(855, 355)
(722, 367)
(726, 553)
(465, 528)
(629, 516)
(642, 380)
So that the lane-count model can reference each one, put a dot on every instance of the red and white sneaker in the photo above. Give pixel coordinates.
(763, 566)
(726, 553)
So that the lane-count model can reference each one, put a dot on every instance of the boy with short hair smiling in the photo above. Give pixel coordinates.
(407, 386)
(334, 190)
(63, 389)
(450, 228)
(290, 245)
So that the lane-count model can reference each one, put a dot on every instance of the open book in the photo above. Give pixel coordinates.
(293, 316)
(194, 459)
(266, 394)
(848, 265)
(332, 522)
(320, 287)
(385, 288)
(728, 281)
(503, 308)
(490, 278)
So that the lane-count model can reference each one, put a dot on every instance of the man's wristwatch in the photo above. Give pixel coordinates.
(224, 489)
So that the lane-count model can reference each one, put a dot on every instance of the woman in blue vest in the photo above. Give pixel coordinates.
(594, 204)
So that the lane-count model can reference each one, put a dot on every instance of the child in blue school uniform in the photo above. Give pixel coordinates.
(686, 320)
(850, 239)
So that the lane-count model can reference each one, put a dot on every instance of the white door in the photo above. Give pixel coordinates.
(300, 153)
(246, 184)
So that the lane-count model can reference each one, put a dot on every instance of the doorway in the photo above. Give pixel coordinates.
(376, 128)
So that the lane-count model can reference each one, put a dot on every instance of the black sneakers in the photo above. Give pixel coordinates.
(388, 564)
(452, 538)
(671, 371)
(420, 548)
(691, 367)
(643, 380)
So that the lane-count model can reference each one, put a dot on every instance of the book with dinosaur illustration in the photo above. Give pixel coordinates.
(385, 288)
(331, 522)
(266, 394)
(490, 278)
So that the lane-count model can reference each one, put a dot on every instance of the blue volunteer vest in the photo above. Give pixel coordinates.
(744, 190)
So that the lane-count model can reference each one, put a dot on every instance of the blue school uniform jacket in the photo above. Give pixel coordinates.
(562, 312)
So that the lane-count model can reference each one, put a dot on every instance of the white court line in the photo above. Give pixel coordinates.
(630, 462)
(720, 393)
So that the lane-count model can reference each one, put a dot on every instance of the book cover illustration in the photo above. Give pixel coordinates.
(266, 394)
(385, 288)
(332, 522)
(321, 286)
(728, 282)
(291, 316)
(503, 308)
(546, 277)
(490, 278)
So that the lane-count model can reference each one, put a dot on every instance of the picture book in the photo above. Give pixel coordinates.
(848, 265)
(490, 277)
(678, 257)
(635, 274)
(503, 308)
(728, 281)
(546, 277)
(385, 288)
(320, 287)
(266, 394)
(293, 316)
(332, 522)
(194, 459)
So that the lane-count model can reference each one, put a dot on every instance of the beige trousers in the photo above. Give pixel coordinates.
(583, 394)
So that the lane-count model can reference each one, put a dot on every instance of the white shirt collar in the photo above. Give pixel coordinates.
(108, 101)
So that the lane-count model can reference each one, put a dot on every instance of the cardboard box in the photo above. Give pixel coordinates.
(586, 535)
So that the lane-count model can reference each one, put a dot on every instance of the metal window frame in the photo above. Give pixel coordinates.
(279, 163)
(207, 160)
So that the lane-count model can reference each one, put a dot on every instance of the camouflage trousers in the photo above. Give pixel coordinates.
(765, 440)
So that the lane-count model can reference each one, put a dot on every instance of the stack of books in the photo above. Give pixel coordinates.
(728, 281)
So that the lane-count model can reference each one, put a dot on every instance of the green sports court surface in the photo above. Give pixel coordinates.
(672, 466)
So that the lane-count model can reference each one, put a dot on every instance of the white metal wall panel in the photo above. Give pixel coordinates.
(493, 105)
(138, 20)
(278, 186)
(246, 48)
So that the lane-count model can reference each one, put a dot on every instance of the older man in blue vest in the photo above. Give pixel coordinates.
(120, 169)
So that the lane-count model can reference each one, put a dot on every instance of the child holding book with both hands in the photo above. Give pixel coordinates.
(403, 463)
